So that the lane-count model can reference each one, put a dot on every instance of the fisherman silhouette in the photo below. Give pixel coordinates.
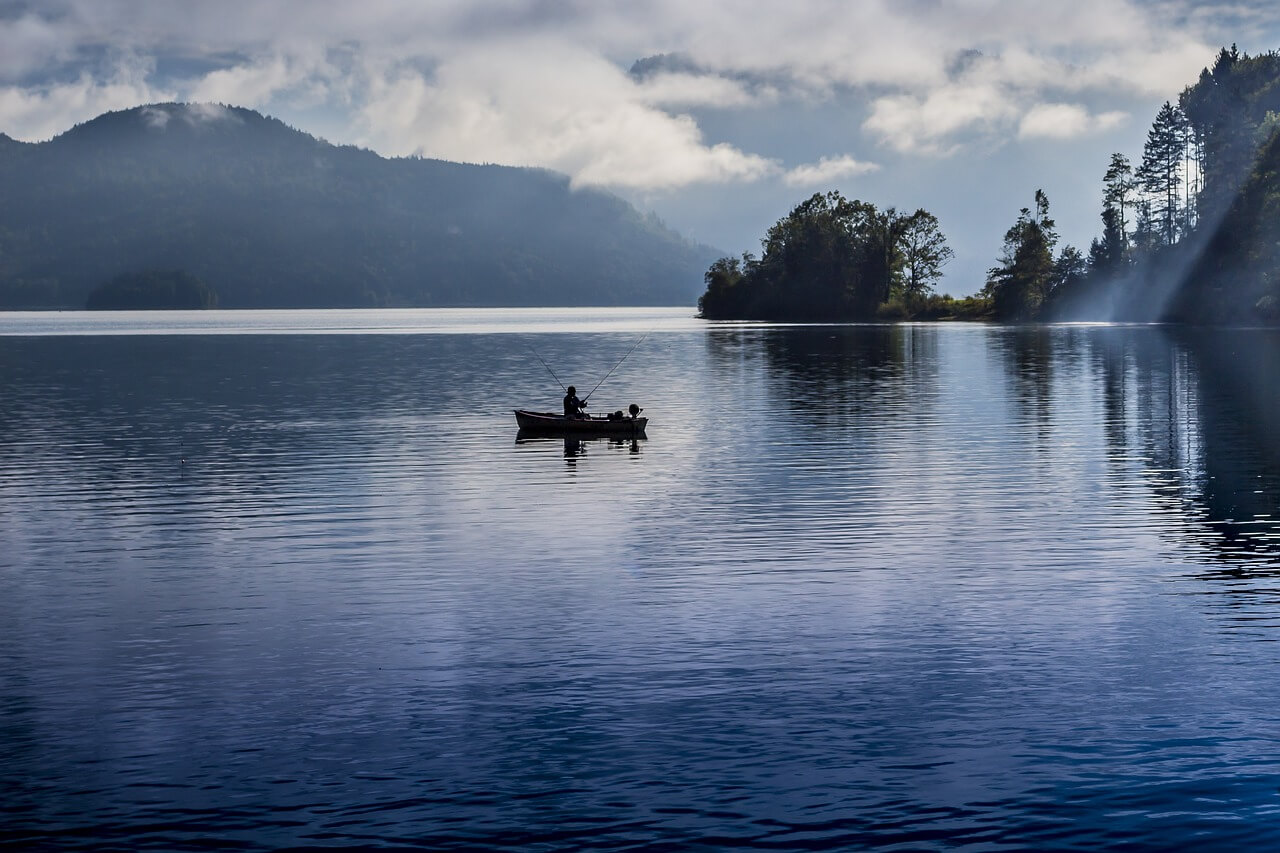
(572, 405)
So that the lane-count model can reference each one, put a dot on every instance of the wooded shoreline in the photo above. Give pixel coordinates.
(1191, 235)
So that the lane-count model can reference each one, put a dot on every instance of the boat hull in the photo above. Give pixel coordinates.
(548, 423)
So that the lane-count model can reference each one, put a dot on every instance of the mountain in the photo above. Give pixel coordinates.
(269, 216)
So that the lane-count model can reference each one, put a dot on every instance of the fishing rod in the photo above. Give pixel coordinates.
(547, 366)
(616, 366)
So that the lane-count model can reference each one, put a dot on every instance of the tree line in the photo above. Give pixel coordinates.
(1190, 231)
(150, 290)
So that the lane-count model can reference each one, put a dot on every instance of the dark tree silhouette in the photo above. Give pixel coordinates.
(1019, 285)
(1161, 171)
(1108, 255)
(1118, 188)
(924, 253)
(830, 258)
(152, 289)
(1205, 242)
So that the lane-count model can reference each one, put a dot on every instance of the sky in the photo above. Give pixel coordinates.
(718, 116)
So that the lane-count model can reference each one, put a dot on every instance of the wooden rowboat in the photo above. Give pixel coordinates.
(548, 423)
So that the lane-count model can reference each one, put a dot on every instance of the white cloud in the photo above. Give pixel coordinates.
(543, 83)
(251, 85)
(28, 44)
(42, 112)
(826, 171)
(1110, 119)
(158, 116)
(933, 122)
(209, 114)
(546, 104)
(1065, 121)
(674, 90)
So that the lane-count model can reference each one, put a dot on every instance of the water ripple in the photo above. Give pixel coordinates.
(912, 587)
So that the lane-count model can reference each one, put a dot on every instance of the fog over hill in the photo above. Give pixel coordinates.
(269, 216)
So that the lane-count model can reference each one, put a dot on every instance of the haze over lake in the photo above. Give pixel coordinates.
(289, 578)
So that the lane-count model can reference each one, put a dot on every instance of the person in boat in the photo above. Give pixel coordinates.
(573, 407)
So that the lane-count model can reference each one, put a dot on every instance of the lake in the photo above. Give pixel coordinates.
(289, 578)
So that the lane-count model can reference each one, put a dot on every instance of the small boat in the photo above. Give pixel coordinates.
(548, 423)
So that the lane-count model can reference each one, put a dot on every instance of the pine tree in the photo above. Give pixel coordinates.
(1161, 171)
(1108, 255)
(1118, 187)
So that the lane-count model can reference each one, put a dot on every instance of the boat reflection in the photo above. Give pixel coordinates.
(576, 446)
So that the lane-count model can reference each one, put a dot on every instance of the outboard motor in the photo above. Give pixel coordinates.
(634, 410)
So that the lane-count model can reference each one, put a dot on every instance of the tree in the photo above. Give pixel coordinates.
(1146, 235)
(924, 253)
(1199, 241)
(830, 258)
(1067, 282)
(881, 258)
(1118, 187)
(1108, 255)
(1068, 270)
(1161, 171)
(812, 259)
(152, 289)
(721, 279)
(1218, 111)
(1018, 286)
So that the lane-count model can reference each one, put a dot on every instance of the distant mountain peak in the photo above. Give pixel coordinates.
(159, 116)
(188, 119)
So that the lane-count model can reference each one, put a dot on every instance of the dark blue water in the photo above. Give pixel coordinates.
(920, 587)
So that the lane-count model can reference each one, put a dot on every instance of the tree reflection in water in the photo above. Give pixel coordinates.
(1197, 412)
(1199, 408)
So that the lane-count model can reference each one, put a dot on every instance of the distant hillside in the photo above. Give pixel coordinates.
(268, 216)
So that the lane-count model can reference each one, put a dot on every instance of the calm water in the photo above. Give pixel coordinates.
(272, 580)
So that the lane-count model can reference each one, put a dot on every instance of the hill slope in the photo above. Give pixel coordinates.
(272, 217)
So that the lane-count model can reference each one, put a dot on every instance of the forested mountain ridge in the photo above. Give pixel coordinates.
(269, 216)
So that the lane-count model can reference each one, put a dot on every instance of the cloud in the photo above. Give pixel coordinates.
(552, 105)
(544, 83)
(251, 85)
(209, 114)
(41, 112)
(826, 171)
(1065, 121)
(699, 90)
(933, 123)
(993, 97)
(29, 42)
(158, 116)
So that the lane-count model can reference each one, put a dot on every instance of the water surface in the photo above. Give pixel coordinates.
(272, 579)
